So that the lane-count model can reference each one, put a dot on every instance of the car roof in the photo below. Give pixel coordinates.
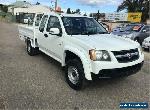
(65, 15)
(72, 15)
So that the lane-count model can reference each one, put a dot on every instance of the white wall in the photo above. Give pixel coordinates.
(32, 9)
(20, 10)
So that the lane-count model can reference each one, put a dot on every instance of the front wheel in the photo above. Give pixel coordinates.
(74, 74)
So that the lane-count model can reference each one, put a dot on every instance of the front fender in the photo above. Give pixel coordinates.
(84, 59)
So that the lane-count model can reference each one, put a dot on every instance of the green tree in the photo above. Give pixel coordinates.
(85, 14)
(68, 11)
(98, 16)
(77, 11)
(4, 8)
(136, 6)
(37, 3)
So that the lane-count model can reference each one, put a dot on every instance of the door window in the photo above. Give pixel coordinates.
(38, 19)
(53, 22)
(43, 22)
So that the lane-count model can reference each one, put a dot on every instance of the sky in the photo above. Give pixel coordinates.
(87, 6)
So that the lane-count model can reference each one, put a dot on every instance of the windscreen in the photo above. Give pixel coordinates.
(82, 26)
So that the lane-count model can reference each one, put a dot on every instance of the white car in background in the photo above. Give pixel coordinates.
(146, 43)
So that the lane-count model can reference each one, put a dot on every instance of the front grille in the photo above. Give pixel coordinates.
(125, 56)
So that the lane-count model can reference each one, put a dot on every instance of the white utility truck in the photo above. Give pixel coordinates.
(83, 47)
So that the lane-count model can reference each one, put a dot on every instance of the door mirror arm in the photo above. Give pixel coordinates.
(45, 35)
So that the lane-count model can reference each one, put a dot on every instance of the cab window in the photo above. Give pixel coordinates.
(43, 22)
(53, 22)
(38, 19)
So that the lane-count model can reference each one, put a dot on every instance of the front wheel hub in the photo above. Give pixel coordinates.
(73, 74)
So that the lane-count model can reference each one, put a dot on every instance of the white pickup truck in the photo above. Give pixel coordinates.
(83, 47)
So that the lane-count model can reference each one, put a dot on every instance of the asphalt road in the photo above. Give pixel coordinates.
(38, 82)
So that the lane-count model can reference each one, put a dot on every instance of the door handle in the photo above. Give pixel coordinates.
(45, 35)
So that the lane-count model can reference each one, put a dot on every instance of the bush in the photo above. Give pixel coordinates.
(8, 17)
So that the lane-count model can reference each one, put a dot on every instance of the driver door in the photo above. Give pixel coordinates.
(53, 43)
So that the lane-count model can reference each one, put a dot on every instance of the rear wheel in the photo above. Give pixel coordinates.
(31, 50)
(75, 74)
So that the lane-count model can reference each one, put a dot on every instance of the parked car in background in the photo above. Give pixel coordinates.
(139, 33)
(146, 43)
(120, 27)
(136, 32)
(120, 31)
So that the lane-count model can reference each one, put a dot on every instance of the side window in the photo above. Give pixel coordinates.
(43, 22)
(53, 22)
(38, 19)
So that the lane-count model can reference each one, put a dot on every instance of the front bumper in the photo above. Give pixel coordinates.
(103, 65)
(118, 72)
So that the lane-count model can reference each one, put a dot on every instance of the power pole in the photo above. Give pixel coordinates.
(56, 4)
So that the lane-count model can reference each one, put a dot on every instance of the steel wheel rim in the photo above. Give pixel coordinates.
(73, 74)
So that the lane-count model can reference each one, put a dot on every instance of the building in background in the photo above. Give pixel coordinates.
(18, 4)
(32, 9)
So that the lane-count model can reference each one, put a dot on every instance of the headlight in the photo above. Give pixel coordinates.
(99, 55)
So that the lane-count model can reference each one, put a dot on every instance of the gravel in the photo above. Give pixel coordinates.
(38, 82)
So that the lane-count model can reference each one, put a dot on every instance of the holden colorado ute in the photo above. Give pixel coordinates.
(83, 47)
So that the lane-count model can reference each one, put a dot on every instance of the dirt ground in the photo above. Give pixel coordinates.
(38, 82)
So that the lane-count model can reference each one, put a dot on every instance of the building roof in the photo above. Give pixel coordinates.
(20, 4)
(38, 9)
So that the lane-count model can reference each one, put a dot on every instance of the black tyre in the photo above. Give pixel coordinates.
(30, 50)
(74, 74)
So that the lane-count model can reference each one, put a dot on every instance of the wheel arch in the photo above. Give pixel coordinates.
(70, 53)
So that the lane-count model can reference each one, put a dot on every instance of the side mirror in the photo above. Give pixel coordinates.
(144, 31)
(54, 31)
